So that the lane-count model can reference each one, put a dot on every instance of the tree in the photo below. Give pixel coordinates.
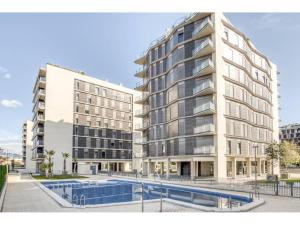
(65, 155)
(49, 157)
(289, 154)
(273, 154)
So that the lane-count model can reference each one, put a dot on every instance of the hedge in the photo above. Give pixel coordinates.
(3, 172)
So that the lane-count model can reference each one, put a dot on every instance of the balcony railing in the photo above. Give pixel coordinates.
(141, 84)
(207, 150)
(206, 44)
(208, 106)
(142, 112)
(200, 30)
(207, 84)
(141, 126)
(142, 97)
(141, 72)
(141, 140)
(204, 128)
(205, 67)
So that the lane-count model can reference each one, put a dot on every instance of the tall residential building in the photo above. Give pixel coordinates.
(27, 144)
(290, 132)
(209, 98)
(88, 118)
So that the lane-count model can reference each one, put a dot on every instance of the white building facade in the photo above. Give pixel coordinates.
(209, 101)
(86, 117)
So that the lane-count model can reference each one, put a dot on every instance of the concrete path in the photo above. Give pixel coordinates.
(24, 195)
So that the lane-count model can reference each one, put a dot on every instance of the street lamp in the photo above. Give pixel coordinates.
(255, 168)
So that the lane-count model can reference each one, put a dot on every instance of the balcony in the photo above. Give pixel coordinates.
(206, 128)
(205, 88)
(205, 109)
(204, 150)
(142, 59)
(39, 95)
(39, 106)
(141, 98)
(205, 28)
(142, 72)
(142, 112)
(38, 156)
(142, 85)
(39, 143)
(141, 141)
(205, 48)
(141, 127)
(205, 67)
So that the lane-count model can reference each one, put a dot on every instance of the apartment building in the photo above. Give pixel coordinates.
(290, 132)
(209, 101)
(88, 118)
(27, 144)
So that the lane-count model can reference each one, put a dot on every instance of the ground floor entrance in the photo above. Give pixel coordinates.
(185, 168)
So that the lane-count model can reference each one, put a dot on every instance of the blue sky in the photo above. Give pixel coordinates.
(105, 46)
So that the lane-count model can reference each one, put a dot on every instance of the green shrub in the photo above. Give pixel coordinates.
(3, 172)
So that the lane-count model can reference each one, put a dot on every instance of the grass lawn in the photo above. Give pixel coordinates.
(292, 180)
(58, 177)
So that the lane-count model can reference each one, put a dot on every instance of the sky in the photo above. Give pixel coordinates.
(105, 45)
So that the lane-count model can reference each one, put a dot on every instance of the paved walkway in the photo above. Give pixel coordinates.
(23, 195)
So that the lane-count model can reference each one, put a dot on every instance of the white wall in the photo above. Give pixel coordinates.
(30, 165)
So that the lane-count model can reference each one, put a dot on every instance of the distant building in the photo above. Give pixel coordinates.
(88, 118)
(290, 132)
(27, 145)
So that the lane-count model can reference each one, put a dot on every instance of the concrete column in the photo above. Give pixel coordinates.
(162, 168)
(263, 163)
(258, 166)
(168, 168)
(108, 166)
(192, 169)
(178, 168)
(196, 168)
(148, 168)
(118, 167)
(249, 167)
(233, 167)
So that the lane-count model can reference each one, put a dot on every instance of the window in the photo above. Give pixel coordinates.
(89, 100)
(229, 147)
(77, 108)
(239, 148)
(97, 91)
(99, 123)
(226, 34)
(104, 92)
(77, 85)
(76, 121)
(77, 96)
(180, 37)
(86, 109)
(88, 123)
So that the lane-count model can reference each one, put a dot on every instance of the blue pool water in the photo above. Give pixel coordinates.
(116, 191)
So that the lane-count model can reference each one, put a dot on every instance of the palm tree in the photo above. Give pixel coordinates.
(49, 157)
(65, 155)
(75, 160)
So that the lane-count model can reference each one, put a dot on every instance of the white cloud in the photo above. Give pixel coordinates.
(4, 73)
(7, 76)
(11, 103)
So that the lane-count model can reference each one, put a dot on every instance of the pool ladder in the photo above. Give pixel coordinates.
(81, 200)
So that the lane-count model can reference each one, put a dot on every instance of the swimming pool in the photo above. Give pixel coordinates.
(125, 191)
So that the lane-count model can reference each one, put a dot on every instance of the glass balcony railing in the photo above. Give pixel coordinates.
(209, 106)
(200, 48)
(142, 112)
(204, 128)
(141, 140)
(39, 142)
(207, 150)
(200, 31)
(142, 97)
(141, 72)
(205, 64)
(141, 126)
(141, 84)
(207, 84)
